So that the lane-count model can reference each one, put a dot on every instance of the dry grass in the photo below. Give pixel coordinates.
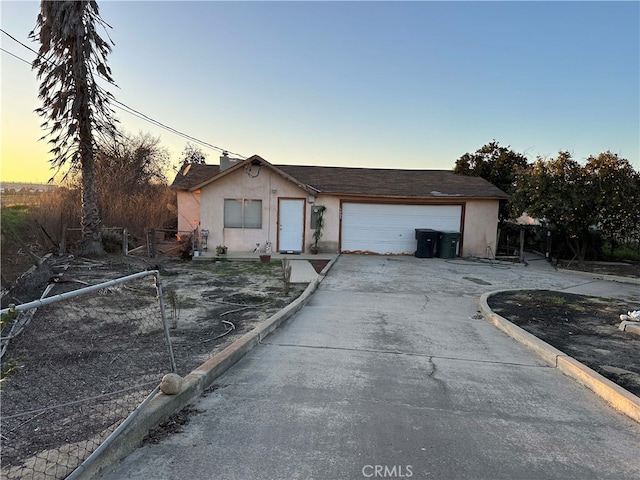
(137, 212)
(38, 229)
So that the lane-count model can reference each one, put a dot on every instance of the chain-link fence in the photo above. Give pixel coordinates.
(84, 361)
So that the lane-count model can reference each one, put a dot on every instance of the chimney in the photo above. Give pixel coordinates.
(228, 162)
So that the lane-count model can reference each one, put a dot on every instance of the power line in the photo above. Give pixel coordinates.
(14, 55)
(141, 115)
(127, 108)
(18, 41)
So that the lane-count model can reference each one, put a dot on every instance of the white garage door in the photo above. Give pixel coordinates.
(390, 229)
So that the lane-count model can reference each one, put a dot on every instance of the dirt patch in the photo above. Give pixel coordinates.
(176, 421)
(208, 305)
(318, 265)
(212, 303)
(586, 328)
(622, 269)
(173, 425)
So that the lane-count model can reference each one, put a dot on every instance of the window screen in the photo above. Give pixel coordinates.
(232, 213)
(242, 213)
(253, 214)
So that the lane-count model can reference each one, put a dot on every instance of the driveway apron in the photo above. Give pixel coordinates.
(389, 372)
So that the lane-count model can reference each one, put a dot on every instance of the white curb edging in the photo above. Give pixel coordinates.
(631, 327)
(619, 398)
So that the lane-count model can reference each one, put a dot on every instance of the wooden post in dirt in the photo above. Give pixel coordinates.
(63, 239)
(153, 242)
(125, 242)
(521, 258)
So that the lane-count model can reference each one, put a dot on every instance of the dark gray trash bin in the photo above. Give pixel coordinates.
(427, 239)
(448, 244)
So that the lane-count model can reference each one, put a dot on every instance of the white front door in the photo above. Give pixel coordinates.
(291, 225)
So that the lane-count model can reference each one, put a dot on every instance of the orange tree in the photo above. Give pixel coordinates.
(617, 191)
(495, 164)
(576, 200)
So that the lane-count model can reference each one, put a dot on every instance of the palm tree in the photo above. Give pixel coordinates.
(76, 109)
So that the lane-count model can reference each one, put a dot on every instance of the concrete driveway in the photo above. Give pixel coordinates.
(389, 372)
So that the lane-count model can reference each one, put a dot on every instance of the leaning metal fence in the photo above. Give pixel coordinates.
(85, 360)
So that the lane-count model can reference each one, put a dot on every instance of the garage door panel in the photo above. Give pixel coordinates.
(384, 228)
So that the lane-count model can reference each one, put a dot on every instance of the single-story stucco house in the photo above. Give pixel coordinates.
(245, 203)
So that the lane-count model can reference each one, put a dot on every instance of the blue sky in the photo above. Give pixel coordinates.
(370, 84)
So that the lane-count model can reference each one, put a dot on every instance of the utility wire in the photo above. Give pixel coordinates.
(18, 41)
(141, 115)
(127, 108)
(16, 56)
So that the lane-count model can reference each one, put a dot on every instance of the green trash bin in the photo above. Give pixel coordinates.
(448, 244)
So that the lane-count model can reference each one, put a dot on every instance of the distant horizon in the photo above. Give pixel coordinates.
(21, 182)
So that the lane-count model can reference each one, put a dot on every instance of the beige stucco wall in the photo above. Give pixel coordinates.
(480, 228)
(331, 231)
(267, 186)
(188, 210)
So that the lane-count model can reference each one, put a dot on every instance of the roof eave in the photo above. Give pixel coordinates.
(262, 161)
(418, 197)
(221, 174)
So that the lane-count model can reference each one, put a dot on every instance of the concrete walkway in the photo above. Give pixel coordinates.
(302, 272)
(389, 372)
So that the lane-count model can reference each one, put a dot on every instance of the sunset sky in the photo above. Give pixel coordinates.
(371, 84)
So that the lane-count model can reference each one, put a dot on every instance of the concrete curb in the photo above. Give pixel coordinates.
(162, 406)
(602, 276)
(631, 327)
(616, 396)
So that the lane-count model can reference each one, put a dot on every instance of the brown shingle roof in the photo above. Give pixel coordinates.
(192, 174)
(363, 181)
(392, 182)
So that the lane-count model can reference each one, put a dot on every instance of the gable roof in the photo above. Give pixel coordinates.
(254, 160)
(192, 174)
(356, 181)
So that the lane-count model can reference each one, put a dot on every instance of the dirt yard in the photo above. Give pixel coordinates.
(622, 269)
(583, 327)
(208, 305)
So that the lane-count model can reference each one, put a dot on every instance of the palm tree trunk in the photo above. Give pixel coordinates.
(90, 223)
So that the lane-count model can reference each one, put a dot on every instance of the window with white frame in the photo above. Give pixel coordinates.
(242, 213)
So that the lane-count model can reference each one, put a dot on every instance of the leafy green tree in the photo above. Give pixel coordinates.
(617, 193)
(558, 192)
(495, 164)
(76, 109)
